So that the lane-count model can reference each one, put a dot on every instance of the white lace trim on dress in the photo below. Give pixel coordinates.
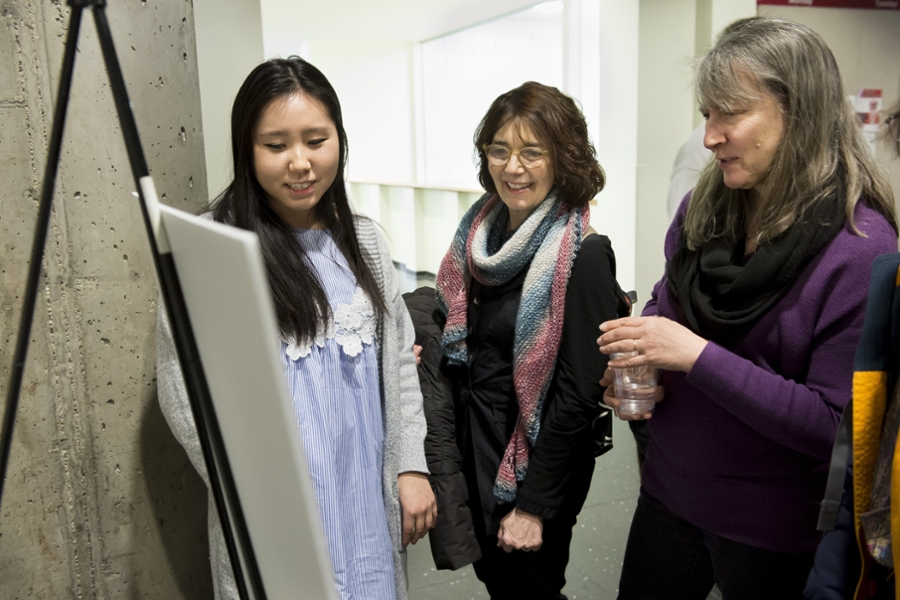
(351, 326)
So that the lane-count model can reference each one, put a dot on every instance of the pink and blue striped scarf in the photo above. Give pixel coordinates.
(549, 240)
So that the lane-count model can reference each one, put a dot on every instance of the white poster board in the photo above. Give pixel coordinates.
(223, 280)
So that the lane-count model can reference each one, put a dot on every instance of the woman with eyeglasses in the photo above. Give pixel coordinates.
(523, 286)
(754, 323)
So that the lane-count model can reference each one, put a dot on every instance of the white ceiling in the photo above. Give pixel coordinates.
(400, 20)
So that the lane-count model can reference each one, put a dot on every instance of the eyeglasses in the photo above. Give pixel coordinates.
(529, 156)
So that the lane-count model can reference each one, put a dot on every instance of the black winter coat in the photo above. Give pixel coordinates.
(453, 543)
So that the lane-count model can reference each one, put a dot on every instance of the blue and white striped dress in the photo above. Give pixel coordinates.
(334, 385)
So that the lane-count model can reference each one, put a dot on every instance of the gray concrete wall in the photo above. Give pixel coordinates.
(100, 501)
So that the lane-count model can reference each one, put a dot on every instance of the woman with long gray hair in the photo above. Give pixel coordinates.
(754, 323)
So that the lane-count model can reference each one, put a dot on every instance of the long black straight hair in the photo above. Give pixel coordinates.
(300, 301)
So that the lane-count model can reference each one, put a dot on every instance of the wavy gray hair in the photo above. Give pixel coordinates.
(821, 152)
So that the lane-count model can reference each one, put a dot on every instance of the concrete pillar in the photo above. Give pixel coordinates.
(100, 501)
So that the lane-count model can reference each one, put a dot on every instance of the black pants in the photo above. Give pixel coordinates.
(667, 558)
(540, 575)
(518, 575)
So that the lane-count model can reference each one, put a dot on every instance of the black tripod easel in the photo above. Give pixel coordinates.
(222, 485)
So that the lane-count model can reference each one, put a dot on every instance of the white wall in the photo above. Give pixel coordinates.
(229, 45)
(665, 120)
(724, 12)
(581, 59)
(462, 73)
(617, 124)
(286, 21)
(374, 81)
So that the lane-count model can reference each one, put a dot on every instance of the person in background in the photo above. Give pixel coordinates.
(856, 558)
(892, 127)
(689, 162)
(523, 286)
(753, 323)
(347, 338)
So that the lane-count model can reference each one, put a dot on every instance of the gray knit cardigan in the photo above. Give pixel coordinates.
(404, 421)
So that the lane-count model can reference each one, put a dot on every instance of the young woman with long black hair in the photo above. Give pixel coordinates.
(346, 335)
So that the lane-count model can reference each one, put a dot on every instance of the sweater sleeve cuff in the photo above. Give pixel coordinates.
(544, 512)
(414, 461)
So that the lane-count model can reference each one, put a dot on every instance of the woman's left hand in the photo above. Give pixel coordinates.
(660, 342)
(520, 530)
(417, 504)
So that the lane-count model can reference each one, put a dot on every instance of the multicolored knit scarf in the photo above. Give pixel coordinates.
(549, 239)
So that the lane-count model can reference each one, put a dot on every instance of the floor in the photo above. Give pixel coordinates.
(597, 546)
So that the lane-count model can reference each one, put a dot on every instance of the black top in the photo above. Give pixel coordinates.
(564, 445)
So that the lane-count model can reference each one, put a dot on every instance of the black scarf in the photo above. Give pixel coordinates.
(722, 296)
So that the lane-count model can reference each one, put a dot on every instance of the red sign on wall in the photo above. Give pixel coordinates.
(870, 4)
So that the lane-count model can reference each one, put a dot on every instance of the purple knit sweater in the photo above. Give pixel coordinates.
(739, 447)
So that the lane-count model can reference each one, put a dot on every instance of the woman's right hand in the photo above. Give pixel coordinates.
(417, 504)
(614, 403)
(658, 341)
